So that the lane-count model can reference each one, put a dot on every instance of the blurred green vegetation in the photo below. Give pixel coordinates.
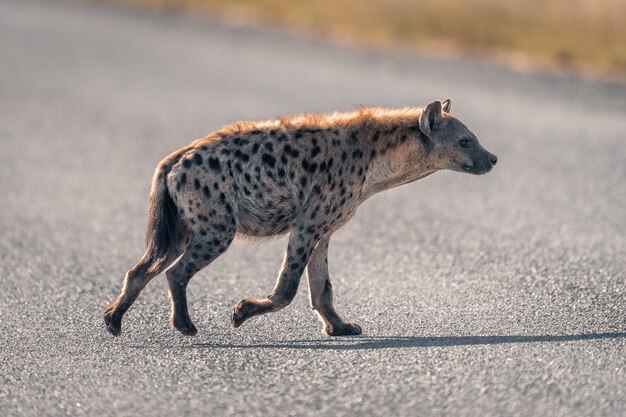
(586, 35)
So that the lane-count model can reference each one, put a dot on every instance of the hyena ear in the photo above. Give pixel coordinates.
(447, 105)
(431, 117)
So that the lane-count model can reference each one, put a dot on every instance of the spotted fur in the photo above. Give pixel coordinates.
(304, 176)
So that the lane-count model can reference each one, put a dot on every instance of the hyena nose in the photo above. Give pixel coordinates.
(493, 159)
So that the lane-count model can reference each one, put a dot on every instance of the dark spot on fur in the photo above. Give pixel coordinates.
(315, 151)
(196, 184)
(243, 156)
(186, 163)
(344, 156)
(182, 181)
(268, 160)
(206, 191)
(291, 151)
(214, 164)
(197, 159)
(255, 148)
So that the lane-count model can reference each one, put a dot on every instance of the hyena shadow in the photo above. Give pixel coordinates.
(399, 342)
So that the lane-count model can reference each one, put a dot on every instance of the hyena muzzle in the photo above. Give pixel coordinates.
(303, 176)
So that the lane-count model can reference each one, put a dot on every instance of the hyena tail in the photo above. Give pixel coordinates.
(162, 234)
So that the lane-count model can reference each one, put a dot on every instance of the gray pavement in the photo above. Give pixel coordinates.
(496, 295)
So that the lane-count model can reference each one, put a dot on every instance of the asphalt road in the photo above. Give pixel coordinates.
(501, 294)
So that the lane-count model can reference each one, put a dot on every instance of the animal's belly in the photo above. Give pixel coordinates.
(264, 220)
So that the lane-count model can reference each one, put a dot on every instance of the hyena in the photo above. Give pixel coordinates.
(303, 176)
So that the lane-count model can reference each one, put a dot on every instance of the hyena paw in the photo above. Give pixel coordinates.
(241, 312)
(343, 329)
(186, 327)
(113, 326)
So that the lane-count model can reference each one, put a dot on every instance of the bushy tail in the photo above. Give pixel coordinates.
(162, 234)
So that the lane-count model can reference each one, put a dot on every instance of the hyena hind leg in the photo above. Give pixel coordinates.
(199, 254)
(322, 294)
(135, 280)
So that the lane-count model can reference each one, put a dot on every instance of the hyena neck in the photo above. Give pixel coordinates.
(401, 155)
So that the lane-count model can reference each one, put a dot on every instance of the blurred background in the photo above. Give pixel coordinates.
(579, 35)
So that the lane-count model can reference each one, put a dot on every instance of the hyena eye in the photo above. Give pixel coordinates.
(464, 143)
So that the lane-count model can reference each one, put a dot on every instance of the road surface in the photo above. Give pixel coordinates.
(495, 295)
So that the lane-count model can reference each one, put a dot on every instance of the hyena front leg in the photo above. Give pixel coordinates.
(322, 293)
(301, 244)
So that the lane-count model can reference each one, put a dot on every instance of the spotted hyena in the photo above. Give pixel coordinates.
(303, 176)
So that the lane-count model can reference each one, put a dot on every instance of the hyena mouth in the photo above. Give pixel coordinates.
(472, 170)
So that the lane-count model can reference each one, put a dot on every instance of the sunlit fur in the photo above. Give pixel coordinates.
(302, 175)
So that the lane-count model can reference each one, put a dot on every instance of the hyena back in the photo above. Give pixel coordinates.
(304, 176)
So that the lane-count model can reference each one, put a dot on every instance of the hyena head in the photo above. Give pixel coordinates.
(453, 146)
